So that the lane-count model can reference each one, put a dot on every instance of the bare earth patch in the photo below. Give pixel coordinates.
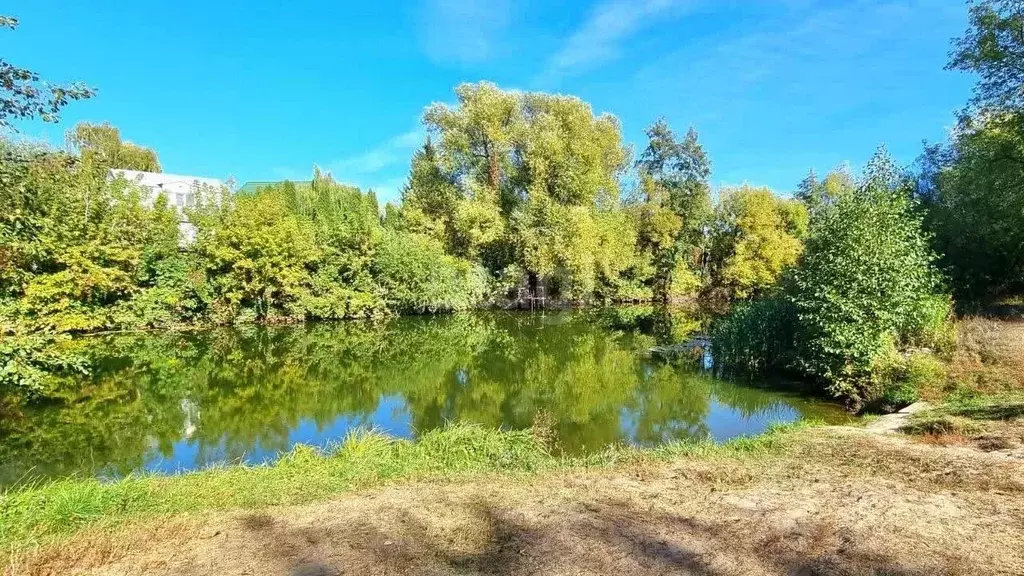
(839, 501)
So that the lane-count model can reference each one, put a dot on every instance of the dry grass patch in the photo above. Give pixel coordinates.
(989, 355)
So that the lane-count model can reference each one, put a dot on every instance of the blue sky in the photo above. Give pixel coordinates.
(262, 90)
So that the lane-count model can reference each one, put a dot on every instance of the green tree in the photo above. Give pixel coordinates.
(972, 187)
(526, 183)
(430, 199)
(756, 237)
(416, 275)
(23, 95)
(76, 245)
(817, 194)
(993, 48)
(101, 144)
(260, 256)
(865, 283)
(477, 134)
(676, 209)
(864, 289)
(972, 190)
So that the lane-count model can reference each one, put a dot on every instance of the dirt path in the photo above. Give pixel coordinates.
(840, 502)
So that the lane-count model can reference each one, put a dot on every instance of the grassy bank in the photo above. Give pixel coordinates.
(804, 500)
(41, 514)
(990, 422)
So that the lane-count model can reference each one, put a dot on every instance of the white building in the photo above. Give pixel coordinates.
(181, 192)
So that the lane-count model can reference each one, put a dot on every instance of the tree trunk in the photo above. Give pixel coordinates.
(492, 165)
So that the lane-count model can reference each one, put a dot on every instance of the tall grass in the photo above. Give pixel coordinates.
(989, 355)
(43, 513)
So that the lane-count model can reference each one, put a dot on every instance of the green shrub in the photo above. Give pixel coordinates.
(417, 275)
(178, 293)
(932, 325)
(866, 282)
(901, 381)
(864, 288)
(260, 255)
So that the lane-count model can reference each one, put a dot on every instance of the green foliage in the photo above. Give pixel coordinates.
(903, 379)
(101, 144)
(972, 187)
(31, 364)
(260, 256)
(674, 210)
(513, 191)
(429, 202)
(931, 325)
(865, 287)
(176, 292)
(816, 195)
(993, 48)
(76, 245)
(24, 96)
(865, 278)
(757, 336)
(525, 180)
(972, 190)
(417, 276)
(757, 237)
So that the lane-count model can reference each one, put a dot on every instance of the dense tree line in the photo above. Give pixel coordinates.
(517, 192)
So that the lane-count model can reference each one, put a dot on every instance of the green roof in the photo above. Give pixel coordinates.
(253, 186)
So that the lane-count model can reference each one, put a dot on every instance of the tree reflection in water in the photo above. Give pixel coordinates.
(172, 401)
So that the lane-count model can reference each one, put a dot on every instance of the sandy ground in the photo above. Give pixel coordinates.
(841, 501)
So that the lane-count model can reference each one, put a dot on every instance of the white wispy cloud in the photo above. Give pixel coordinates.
(382, 168)
(599, 38)
(805, 48)
(394, 150)
(463, 31)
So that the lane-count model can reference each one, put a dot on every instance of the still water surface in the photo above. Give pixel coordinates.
(168, 402)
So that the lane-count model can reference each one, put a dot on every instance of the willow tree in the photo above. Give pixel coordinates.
(102, 145)
(529, 184)
(569, 164)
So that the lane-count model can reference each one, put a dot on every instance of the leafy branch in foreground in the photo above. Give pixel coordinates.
(24, 96)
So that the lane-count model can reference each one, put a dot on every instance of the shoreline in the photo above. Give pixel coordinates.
(847, 497)
(47, 511)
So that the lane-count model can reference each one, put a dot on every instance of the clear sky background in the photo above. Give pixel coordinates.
(263, 89)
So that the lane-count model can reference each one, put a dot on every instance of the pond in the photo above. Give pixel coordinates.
(176, 401)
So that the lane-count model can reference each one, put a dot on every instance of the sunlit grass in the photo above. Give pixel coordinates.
(966, 412)
(41, 513)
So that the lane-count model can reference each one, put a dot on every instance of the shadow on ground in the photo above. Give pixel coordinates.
(1008, 411)
(611, 538)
